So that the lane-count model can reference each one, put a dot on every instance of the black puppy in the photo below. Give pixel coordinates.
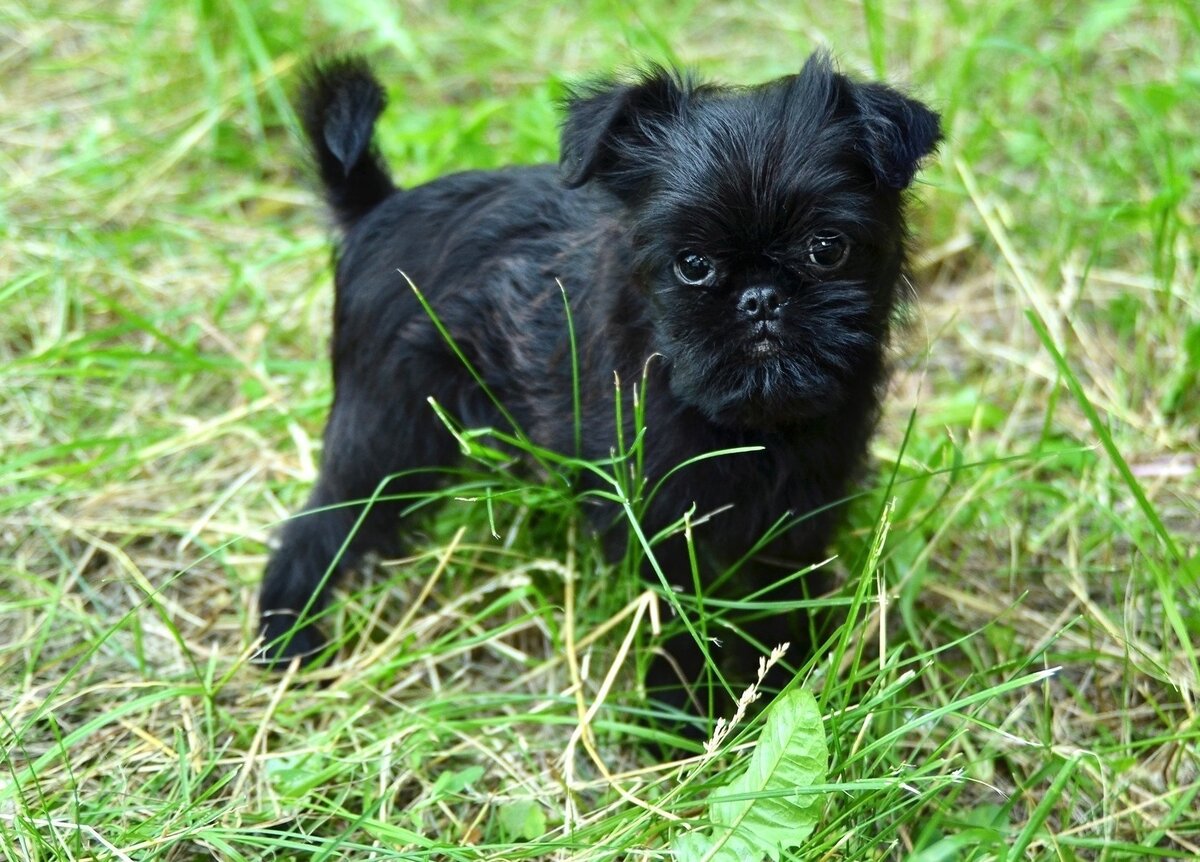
(751, 240)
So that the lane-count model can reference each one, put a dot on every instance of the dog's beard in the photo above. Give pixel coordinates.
(824, 347)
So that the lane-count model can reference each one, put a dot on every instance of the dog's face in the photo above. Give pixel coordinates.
(767, 225)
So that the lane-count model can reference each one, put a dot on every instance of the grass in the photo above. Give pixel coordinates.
(1016, 676)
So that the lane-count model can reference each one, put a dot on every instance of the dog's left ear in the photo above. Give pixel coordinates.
(610, 131)
(897, 132)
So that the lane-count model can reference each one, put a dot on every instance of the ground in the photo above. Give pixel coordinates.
(1016, 675)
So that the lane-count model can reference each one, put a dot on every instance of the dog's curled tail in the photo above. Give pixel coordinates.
(338, 103)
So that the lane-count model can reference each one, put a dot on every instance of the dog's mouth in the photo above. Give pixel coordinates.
(763, 342)
(763, 348)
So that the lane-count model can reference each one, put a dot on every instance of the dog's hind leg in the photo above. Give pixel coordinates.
(377, 460)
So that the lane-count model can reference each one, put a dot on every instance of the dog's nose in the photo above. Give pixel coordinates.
(760, 302)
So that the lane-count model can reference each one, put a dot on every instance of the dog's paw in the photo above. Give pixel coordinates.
(283, 638)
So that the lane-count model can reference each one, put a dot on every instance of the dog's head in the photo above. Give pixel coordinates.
(767, 224)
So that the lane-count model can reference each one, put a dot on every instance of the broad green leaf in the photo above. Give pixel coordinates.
(765, 810)
(454, 782)
(522, 820)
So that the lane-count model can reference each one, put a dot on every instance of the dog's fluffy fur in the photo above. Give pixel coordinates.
(752, 240)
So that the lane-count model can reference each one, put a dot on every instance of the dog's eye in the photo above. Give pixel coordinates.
(828, 249)
(692, 268)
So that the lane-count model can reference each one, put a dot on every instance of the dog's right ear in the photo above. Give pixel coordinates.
(612, 131)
